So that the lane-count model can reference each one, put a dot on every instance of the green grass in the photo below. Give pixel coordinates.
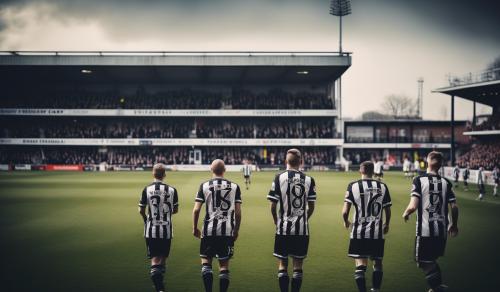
(81, 232)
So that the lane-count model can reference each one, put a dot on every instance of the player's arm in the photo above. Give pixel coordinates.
(142, 205)
(310, 209)
(274, 213)
(176, 203)
(345, 214)
(196, 216)
(453, 229)
(237, 219)
(387, 211)
(412, 207)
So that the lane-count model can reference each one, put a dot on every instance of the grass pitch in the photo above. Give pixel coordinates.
(64, 231)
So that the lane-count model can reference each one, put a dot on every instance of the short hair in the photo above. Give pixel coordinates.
(218, 167)
(435, 159)
(159, 171)
(294, 157)
(367, 168)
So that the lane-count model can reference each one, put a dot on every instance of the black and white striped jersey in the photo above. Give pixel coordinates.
(292, 190)
(160, 200)
(220, 196)
(369, 197)
(434, 193)
(247, 170)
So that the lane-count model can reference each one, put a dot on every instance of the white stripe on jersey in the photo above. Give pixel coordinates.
(247, 170)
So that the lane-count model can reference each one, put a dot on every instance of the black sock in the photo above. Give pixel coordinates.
(433, 278)
(359, 276)
(296, 280)
(377, 277)
(208, 277)
(283, 280)
(156, 274)
(224, 280)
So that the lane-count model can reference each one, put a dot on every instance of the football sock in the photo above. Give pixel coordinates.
(283, 280)
(156, 274)
(208, 277)
(296, 280)
(377, 277)
(359, 276)
(224, 280)
(433, 278)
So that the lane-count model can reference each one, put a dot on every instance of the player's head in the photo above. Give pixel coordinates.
(218, 167)
(294, 158)
(367, 168)
(159, 171)
(435, 160)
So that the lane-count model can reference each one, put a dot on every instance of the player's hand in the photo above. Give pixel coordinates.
(386, 228)
(235, 234)
(196, 232)
(347, 224)
(453, 231)
(406, 217)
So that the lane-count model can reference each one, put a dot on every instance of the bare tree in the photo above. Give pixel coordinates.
(399, 106)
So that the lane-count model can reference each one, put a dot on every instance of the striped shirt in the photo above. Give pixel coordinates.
(292, 190)
(369, 197)
(220, 196)
(434, 193)
(160, 200)
(247, 170)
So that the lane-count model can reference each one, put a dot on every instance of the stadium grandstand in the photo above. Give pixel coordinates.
(484, 131)
(128, 110)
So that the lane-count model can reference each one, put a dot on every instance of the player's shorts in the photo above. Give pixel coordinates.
(465, 182)
(295, 246)
(482, 190)
(221, 247)
(497, 181)
(157, 247)
(366, 248)
(429, 249)
(246, 176)
(456, 179)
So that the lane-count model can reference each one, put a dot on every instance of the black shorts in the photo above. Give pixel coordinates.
(429, 249)
(157, 247)
(246, 176)
(221, 247)
(294, 246)
(366, 248)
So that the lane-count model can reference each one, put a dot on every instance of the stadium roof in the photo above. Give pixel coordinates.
(173, 67)
(482, 87)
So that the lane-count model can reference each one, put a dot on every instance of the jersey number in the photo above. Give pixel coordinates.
(297, 191)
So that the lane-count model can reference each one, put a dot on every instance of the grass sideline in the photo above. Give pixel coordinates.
(64, 231)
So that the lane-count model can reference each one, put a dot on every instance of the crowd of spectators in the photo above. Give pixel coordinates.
(485, 155)
(168, 128)
(179, 99)
(147, 156)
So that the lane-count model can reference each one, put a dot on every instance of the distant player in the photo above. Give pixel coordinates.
(431, 196)
(247, 172)
(496, 180)
(379, 171)
(295, 193)
(370, 198)
(416, 167)
(480, 183)
(161, 201)
(407, 167)
(456, 174)
(466, 174)
(220, 226)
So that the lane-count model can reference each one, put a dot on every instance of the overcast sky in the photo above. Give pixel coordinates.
(394, 42)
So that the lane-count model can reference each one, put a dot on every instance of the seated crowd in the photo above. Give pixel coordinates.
(167, 128)
(180, 99)
(481, 155)
(147, 156)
